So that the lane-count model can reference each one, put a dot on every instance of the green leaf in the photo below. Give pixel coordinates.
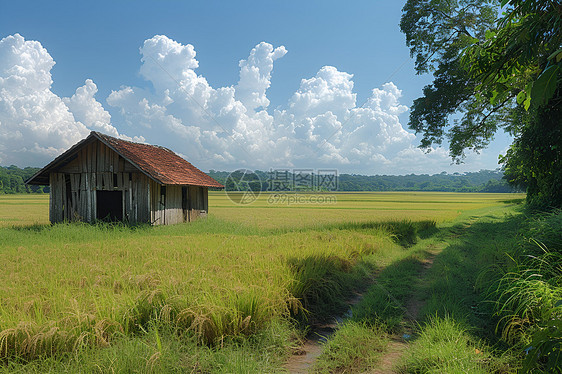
(490, 34)
(557, 55)
(527, 103)
(521, 96)
(545, 85)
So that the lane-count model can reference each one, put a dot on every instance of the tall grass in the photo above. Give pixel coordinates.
(70, 286)
(528, 296)
(68, 289)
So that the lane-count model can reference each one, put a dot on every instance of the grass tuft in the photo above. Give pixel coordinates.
(354, 348)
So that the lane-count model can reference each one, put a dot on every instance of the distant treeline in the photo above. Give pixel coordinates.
(12, 180)
(481, 181)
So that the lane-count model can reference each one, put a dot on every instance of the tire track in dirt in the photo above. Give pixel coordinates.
(398, 344)
(303, 358)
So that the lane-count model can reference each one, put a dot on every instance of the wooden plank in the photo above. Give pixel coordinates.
(148, 196)
(109, 181)
(89, 158)
(115, 162)
(134, 197)
(73, 185)
(87, 197)
(55, 193)
(131, 209)
(82, 160)
(121, 167)
(72, 167)
(141, 195)
(57, 196)
(65, 202)
(82, 204)
(206, 199)
(74, 205)
(141, 199)
(153, 192)
(99, 164)
(101, 157)
(60, 197)
(110, 160)
(120, 181)
(51, 198)
(92, 155)
(94, 210)
(129, 168)
(138, 197)
(126, 181)
(93, 181)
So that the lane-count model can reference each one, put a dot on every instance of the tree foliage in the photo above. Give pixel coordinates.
(492, 73)
(12, 180)
(437, 33)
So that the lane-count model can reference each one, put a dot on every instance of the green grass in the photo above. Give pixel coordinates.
(455, 324)
(446, 346)
(456, 331)
(160, 350)
(355, 348)
(211, 288)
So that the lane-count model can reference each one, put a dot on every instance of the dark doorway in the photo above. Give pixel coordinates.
(110, 205)
(185, 203)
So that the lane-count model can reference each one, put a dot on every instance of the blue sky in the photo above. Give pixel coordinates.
(100, 41)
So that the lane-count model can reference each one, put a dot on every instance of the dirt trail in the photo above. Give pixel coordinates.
(398, 343)
(303, 359)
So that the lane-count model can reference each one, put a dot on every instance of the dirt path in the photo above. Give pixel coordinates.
(303, 360)
(398, 343)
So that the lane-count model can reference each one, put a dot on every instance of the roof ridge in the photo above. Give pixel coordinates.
(157, 162)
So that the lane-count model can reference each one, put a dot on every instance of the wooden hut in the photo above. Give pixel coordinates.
(105, 178)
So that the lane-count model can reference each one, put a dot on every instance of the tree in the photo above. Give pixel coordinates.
(491, 73)
(437, 32)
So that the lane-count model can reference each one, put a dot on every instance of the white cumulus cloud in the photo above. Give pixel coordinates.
(321, 126)
(227, 127)
(36, 125)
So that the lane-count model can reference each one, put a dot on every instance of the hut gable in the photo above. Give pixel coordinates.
(159, 163)
(103, 177)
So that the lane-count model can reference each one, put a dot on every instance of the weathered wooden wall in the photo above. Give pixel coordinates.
(97, 167)
(165, 209)
(170, 208)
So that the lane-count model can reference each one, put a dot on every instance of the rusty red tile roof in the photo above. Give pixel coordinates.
(159, 163)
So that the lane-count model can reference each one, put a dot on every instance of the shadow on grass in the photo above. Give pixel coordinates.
(404, 232)
(514, 201)
(457, 303)
(99, 225)
(323, 285)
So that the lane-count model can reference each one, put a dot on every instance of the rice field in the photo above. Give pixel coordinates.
(69, 286)
(270, 212)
